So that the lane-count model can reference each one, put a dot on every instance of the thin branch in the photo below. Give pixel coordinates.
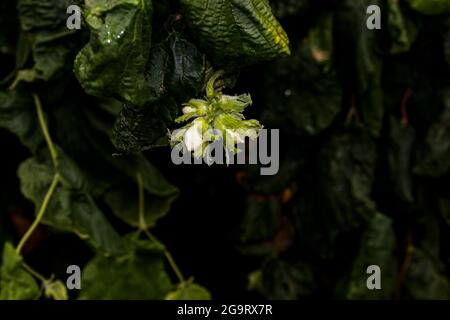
(48, 139)
(33, 272)
(168, 257)
(40, 214)
(142, 223)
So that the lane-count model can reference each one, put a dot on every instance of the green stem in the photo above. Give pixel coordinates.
(56, 177)
(33, 272)
(142, 224)
(40, 214)
(143, 227)
(48, 139)
(210, 90)
(169, 258)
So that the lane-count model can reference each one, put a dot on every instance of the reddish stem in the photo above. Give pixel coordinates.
(404, 104)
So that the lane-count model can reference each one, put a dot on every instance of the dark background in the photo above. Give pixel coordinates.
(308, 229)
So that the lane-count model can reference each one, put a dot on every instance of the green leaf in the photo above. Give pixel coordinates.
(402, 138)
(398, 28)
(236, 32)
(434, 158)
(139, 275)
(124, 202)
(52, 53)
(15, 282)
(282, 280)
(176, 72)
(18, 115)
(35, 14)
(158, 192)
(378, 247)
(112, 64)
(71, 208)
(115, 179)
(347, 168)
(138, 129)
(338, 200)
(430, 7)
(425, 279)
(50, 41)
(260, 220)
(176, 68)
(358, 65)
(190, 291)
(5, 233)
(309, 97)
(56, 290)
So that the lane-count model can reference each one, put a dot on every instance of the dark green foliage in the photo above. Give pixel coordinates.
(364, 121)
(18, 116)
(366, 155)
(139, 275)
(311, 99)
(176, 70)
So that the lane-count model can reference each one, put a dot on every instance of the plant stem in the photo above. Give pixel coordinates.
(168, 257)
(48, 139)
(56, 177)
(142, 224)
(33, 272)
(40, 214)
(143, 227)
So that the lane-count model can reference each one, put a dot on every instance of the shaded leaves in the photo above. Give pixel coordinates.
(18, 115)
(378, 246)
(138, 275)
(435, 157)
(71, 208)
(310, 98)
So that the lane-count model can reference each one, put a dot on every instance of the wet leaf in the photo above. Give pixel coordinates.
(112, 64)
